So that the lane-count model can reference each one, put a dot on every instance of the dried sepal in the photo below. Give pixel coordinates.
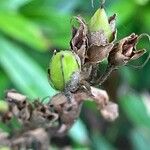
(100, 97)
(97, 53)
(138, 54)
(79, 40)
(125, 51)
(110, 111)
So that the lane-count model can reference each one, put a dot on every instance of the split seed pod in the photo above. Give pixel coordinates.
(64, 68)
(125, 50)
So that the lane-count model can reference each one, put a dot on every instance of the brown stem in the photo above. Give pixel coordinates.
(106, 74)
(55, 118)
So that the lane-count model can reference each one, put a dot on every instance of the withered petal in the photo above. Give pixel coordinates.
(79, 39)
(82, 52)
(110, 112)
(137, 54)
(74, 31)
(126, 43)
(118, 47)
(117, 58)
(78, 35)
(128, 51)
(132, 39)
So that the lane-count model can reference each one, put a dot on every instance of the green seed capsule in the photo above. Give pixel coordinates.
(99, 21)
(61, 69)
(3, 106)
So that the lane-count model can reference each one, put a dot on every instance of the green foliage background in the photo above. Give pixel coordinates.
(31, 29)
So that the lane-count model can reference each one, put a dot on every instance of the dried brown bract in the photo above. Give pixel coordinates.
(79, 41)
(125, 51)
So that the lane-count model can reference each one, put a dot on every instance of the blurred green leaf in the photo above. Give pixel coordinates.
(67, 6)
(135, 110)
(12, 4)
(124, 9)
(4, 127)
(63, 6)
(79, 133)
(55, 25)
(4, 148)
(140, 138)
(129, 75)
(14, 124)
(24, 72)
(11, 126)
(100, 143)
(146, 18)
(141, 2)
(17, 27)
(4, 83)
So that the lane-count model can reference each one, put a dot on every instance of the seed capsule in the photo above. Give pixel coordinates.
(3, 106)
(63, 66)
(99, 21)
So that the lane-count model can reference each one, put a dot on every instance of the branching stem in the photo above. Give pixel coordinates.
(106, 74)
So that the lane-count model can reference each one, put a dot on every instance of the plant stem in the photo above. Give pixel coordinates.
(106, 74)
